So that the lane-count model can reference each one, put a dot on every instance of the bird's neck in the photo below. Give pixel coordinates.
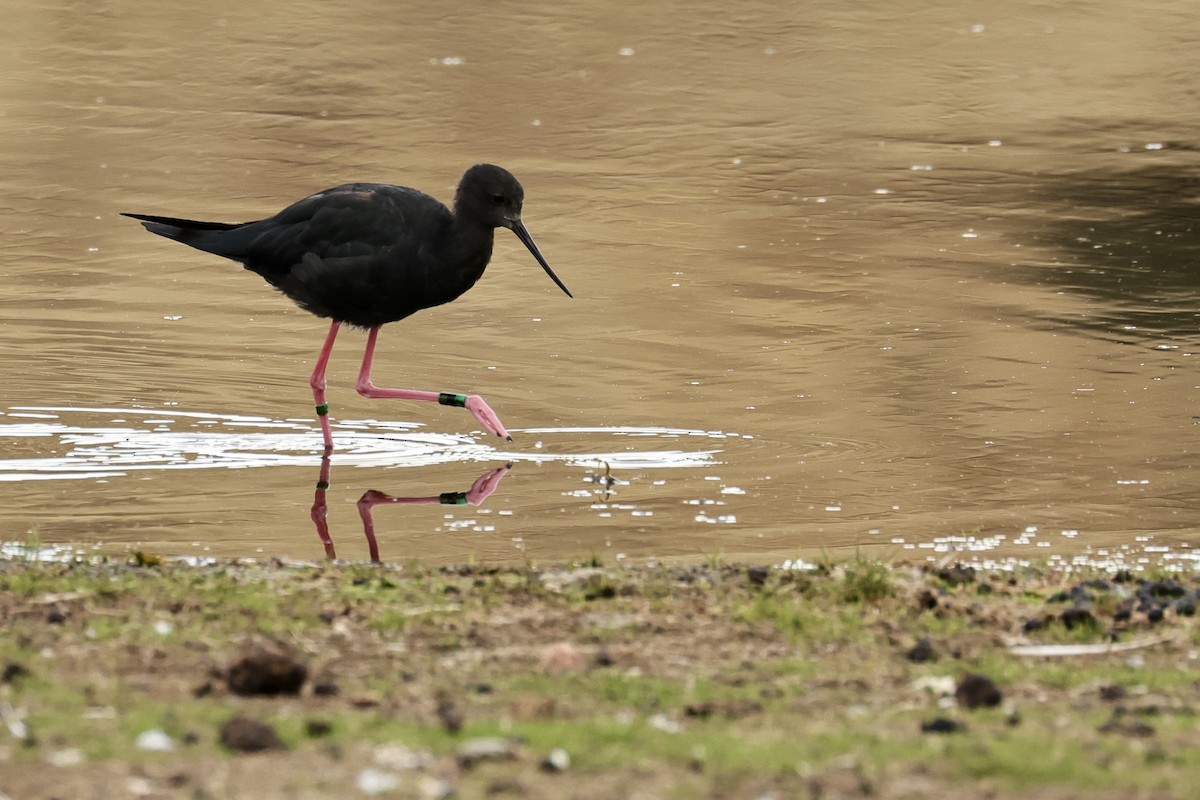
(468, 250)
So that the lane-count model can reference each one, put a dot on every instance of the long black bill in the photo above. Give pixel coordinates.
(519, 229)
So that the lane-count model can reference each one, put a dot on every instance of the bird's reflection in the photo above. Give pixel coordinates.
(480, 490)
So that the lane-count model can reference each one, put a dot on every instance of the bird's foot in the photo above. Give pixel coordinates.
(486, 484)
(486, 417)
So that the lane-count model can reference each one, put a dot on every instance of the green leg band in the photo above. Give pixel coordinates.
(322, 409)
(322, 485)
(449, 399)
(453, 498)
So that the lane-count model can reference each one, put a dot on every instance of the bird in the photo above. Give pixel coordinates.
(366, 254)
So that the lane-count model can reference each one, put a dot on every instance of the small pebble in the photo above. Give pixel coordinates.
(559, 760)
(942, 725)
(249, 736)
(373, 781)
(154, 740)
(921, 652)
(267, 672)
(977, 691)
(561, 657)
(487, 748)
(67, 757)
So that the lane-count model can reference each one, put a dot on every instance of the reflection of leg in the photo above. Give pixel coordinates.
(317, 382)
(320, 509)
(471, 402)
(480, 490)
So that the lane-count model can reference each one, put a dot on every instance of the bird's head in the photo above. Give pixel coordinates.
(491, 196)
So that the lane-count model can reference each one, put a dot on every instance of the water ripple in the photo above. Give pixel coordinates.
(112, 442)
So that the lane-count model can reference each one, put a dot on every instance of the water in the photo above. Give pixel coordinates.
(893, 278)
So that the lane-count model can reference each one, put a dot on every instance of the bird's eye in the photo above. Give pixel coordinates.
(498, 199)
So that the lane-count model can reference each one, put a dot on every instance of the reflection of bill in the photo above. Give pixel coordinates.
(480, 490)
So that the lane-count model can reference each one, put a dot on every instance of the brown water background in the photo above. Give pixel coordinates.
(899, 277)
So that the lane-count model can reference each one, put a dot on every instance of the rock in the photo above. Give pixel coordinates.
(562, 580)
(325, 689)
(373, 781)
(977, 691)
(14, 671)
(561, 657)
(957, 574)
(399, 757)
(316, 728)
(431, 788)
(1126, 725)
(558, 760)
(154, 740)
(942, 725)
(1078, 616)
(758, 575)
(927, 600)
(263, 671)
(448, 712)
(67, 757)
(665, 724)
(487, 748)
(249, 736)
(921, 652)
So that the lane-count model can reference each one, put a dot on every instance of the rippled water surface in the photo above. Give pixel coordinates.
(893, 277)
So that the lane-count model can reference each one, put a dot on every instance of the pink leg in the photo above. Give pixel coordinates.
(480, 490)
(317, 382)
(320, 509)
(473, 402)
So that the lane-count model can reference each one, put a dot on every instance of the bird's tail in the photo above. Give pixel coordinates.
(188, 231)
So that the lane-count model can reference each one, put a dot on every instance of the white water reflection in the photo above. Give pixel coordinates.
(113, 442)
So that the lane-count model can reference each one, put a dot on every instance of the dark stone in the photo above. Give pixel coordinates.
(56, 616)
(942, 725)
(488, 748)
(448, 712)
(249, 736)
(603, 658)
(1155, 614)
(921, 652)
(957, 575)
(1035, 624)
(1113, 692)
(267, 672)
(316, 728)
(758, 575)
(977, 691)
(325, 689)
(14, 671)
(1168, 587)
(1078, 616)
(1125, 725)
(927, 600)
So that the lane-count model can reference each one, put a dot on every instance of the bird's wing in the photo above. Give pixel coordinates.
(350, 222)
